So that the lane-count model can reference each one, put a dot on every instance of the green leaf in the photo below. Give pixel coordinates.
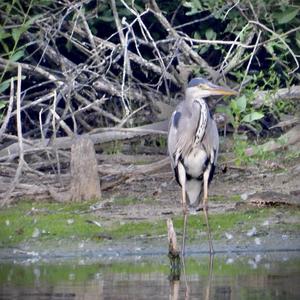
(210, 34)
(4, 85)
(2, 104)
(287, 15)
(241, 103)
(254, 116)
(269, 48)
(233, 106)
(17, 55)
(298, 38)
(16, 33)
(3, 34)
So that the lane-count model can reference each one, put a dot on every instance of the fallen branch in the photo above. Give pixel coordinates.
(289, 138)
(270, 98)
(133, 169)
(106, 135)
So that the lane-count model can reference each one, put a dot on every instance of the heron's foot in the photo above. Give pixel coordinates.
(202, 207)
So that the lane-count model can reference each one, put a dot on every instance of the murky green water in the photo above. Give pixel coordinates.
(231, 276)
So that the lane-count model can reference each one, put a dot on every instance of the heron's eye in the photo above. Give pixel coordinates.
(204, 86)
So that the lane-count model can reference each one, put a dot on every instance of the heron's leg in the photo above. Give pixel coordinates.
(182, 180)
(185, 216)
(205, 206)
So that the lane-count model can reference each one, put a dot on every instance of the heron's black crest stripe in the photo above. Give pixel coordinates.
(196, 81)
(176, 118)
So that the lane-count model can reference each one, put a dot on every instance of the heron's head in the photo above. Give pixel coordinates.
(200, 87)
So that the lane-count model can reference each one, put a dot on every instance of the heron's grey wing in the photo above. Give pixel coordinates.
(211, 144)
(182, 128)
(211, 140)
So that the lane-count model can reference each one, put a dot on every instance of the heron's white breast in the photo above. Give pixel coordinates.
(195, 161)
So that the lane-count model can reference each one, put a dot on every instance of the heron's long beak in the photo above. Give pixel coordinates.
(220, 90)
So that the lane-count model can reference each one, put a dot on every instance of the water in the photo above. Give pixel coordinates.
(273, 275)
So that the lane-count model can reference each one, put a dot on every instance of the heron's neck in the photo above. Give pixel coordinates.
(191, 96)
(190, 99)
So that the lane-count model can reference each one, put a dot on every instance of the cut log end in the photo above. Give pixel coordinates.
(85, 184)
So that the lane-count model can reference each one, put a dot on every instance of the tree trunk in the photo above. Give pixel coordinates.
(85, 184)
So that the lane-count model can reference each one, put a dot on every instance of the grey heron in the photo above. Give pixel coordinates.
(193, 144)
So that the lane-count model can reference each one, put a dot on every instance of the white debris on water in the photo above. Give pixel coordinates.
(252, 263)
(266, 223)
(37, 273)
(164, 184)
(95, 223)
(229, 261)
(284, 236)
(251, 232)
(81, 245)
(257, 258)
(244, 196)
(257, 241)
(36, 233)
(229, 236)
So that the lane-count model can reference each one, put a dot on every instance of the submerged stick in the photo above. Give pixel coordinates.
(174, 254)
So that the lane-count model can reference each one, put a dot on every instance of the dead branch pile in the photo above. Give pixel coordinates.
(76, 78)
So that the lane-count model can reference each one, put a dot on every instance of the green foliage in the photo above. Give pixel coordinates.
(279, 16)
(240, 111)
(286, 16)
(196, 6)
(10, 36)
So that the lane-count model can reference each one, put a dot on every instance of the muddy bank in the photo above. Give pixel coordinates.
(131, 218)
